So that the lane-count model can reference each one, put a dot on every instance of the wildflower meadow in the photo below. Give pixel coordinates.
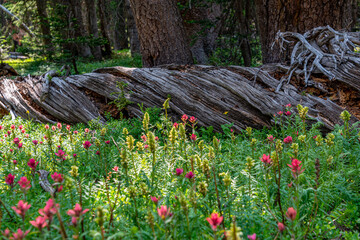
(154, 178)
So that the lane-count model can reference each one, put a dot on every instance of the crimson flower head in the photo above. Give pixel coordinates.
(143, 137)
(193, 137)
(87, 130)
(20, 145)
(164, 212)
(16, 140)
(12, 126)
(24, 183)
(214, 220)
(115, 169)
(179, 171)
(270, 138)
(46, 126)
(280, 113)
(295, 167)
(21, 208)
(184, 118)
(61, 154)
(59, 126)
(19, 235)
(291, 214)
(77, 211)
(192, 119)
(288, 105)
(53, 128)
(287, 113)
(266, 159)
(281, 227)
(35, 142)
(49, 210)
(32, 164)
(9, 180)
(107, 142)
(288, 139)
(175, 125)
(155, 199)
(190, 175)
(57, 177)
(252, 237)
(39, 223)
(68, 127)
(87, 144)
(6, 233)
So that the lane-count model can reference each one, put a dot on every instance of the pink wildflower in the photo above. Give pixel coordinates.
(288, 139)
(24, 183)
(190, 175)
(9, 180)
(32, 164)
(35, 142)
(280, 113)
(179, 171)
(49, 210)
(19, 235)
(21, 208)
(77, 211)
(57, 177)
(291, 214)
(16, 140)
(163, 212)
(115, 169)
(39, 223)
(59, 125)
(252, 237)
(193, 137)
(143, 137)
(192, 119)
(281, 227)
(87, 144)
(155, 199)
(214, 220)
(266, 159)
(287, 113)
(87, 130)
(175, 125)
(184, 118)
(296, 167)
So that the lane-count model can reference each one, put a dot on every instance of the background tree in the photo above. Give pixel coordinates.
(161, 32)
(41, 6)
(299, 16)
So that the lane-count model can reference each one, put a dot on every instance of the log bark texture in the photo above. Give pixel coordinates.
(324, 78)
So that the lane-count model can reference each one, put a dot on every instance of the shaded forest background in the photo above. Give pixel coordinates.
(217, 32)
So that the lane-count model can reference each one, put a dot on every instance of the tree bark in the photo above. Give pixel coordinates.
(161, 32)
(244, 29)
(298, 16)
(131, 29)
(103, 27)
(44, 23)
(92, 28)
(202, 25)
(77, 28)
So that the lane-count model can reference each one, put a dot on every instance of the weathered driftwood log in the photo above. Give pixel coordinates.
(240, 95)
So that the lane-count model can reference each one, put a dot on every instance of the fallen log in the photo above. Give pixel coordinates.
(327, 84)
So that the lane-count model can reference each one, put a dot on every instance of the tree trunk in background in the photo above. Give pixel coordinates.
(92, 27)
(2, 18)
(201, 23)
(77, 28)
(131, 29)
(161, 32)
(298, 16)
(103, 13)
(120, 36)
(241, 8)
(44, 23)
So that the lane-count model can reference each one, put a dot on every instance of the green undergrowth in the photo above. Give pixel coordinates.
(38, 66)
(154, 178)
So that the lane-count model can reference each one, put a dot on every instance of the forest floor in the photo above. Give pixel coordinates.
(38, 66)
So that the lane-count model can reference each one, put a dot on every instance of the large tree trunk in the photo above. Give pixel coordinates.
(216, 96)
(241, 12)
(92, 27)
(161, 32)
(44, 23)
(298, 16)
